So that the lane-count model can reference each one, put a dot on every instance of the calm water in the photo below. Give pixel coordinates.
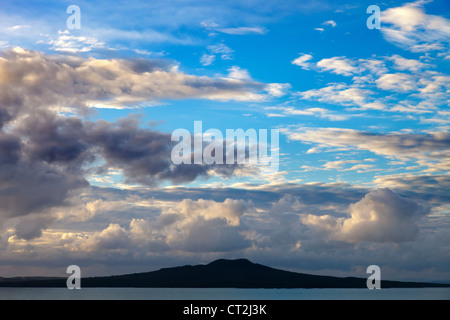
(222, 294)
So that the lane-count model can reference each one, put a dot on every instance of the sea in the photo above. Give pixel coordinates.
(222, 294)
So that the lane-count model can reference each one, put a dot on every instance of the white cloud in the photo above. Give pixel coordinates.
(330, 23)
(75, 44)
(337, 93)
(230, 210)
(338, 65)
(277, 89)
(320, 112)
(399, 82)
(207, 59)
(18, 27)
(411, 28)
(407, 64)
(112, 238)
(302, 61)
(236, 72)
(243, 30)
(225, 52)
(381, 216)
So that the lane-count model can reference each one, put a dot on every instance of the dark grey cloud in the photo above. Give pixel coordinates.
(46, 157)
(29, 185)
(31, 226)
(144, 155)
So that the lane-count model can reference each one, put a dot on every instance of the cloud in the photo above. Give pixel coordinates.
(191, 226)
(411, 28)
(44, 185)
(330, 23)
(42, 81)
(212, 235)
(318, 112)
(225, 52)
(394, 145)
(337, 93)
(429, 187)
(288, 222)
(338, 65)
(407, 64)
(75, 44)
(399, 82)
(277, 89)
(18, 27)
(47, 155)
(243, 30)
(112, 238)
(31, 226)
(230, 210)
(377, 84)
(302, 61)
(207, 59)
(381, 216)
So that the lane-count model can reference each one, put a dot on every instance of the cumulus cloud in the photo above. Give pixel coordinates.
(230, 210)
(112, 238)
(191, 226)
(381, 216)
(212, 235)
(206, 225)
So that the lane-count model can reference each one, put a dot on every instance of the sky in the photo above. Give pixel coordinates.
(89, 100)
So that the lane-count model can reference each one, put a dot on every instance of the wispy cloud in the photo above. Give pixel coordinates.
(411, 28)
(243, 30)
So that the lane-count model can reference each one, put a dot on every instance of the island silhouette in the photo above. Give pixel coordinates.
(222, 273)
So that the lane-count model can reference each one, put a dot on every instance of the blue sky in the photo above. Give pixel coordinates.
(363, 118)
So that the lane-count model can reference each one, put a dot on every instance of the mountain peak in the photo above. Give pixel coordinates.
(232, 262)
